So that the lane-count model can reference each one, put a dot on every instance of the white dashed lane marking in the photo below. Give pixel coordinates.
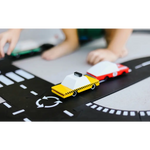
(7, 105)
(34, 93)
(88, 104)
(23, 86)
(18, 112)
(68, 113)
(26, 120)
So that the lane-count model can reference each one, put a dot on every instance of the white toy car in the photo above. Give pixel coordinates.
(106, 69)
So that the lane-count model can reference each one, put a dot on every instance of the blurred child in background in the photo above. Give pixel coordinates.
(115, 38)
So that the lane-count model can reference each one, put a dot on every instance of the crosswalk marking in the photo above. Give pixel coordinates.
(24, 74)
(94, 106)
(99, 108)
(14, 77)
(88, 104)
(132, 113)
(118, 112)
(5, 80)
(111, 111)
(105, 110)
(125, 113)
(142, 113)
(148, 113)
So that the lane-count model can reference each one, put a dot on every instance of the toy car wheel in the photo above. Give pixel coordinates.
(74, 94)
(93, 87)
(32, 53)
(123, 73)
(106, 78)
(17, 56)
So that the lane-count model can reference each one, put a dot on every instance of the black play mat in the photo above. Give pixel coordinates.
(38, 103)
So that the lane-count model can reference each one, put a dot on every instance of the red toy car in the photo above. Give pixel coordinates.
(105, 69)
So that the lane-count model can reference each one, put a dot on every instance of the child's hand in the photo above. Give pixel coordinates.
(100, 55)
(51, 54)
(11, 37)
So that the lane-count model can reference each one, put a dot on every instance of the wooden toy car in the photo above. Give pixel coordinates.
(73, 84)
(105, 69)
(25, 47)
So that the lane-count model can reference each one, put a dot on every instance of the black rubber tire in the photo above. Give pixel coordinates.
(74, 94)
(93, 87)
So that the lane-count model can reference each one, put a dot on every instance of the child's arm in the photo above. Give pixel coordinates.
(11, 36)
(67, 46)
(119, 40)
(115, 49)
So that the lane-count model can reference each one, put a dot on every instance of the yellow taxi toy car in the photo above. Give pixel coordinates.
(73, 84)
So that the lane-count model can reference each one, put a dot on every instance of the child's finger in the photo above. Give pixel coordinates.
(97, 60)
(11, 47)
(92, 57)
(2, 43)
